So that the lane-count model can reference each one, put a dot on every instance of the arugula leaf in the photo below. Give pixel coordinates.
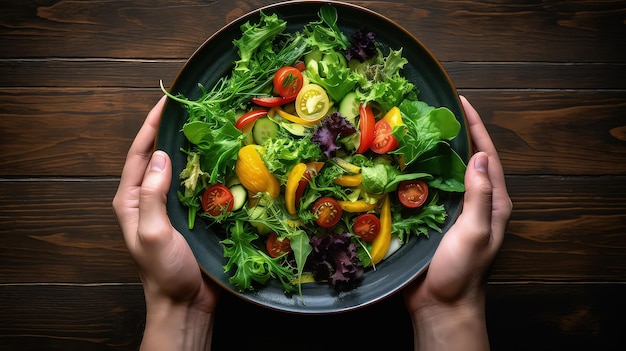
(254, 36)
(299, 242)
(325, 34)
(250, 263)
(431, 216)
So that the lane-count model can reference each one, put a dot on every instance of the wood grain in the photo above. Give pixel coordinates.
(77, 78)
(144, 73)
(568, 31)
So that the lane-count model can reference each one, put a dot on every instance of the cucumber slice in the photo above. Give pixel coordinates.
(230, 182)
(257, 214)
(315, 55)
(347, 166)
(240, 194)
(349, 106)
(295, 128)
(264, 128)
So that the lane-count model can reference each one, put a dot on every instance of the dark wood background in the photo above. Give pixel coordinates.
(78, 77)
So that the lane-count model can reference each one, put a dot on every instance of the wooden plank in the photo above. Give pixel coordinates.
(555, 132)
(111, 317)
(454, 31)
(564, 229)
(128, 73)
(62, 232)
(88, 73)
(556, 225)
(87, 132)
(71, 317)
(72, 132)
(536, 75)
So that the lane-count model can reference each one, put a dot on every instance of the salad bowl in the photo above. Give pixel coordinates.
(214, 59)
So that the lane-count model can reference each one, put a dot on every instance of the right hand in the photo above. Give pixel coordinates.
(455, 282)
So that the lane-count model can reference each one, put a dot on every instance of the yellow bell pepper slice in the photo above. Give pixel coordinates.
(381, 243)
(351, 180)
(293, 118)
(293, 179)
(394, 117)
(253, 174)
(357, 206)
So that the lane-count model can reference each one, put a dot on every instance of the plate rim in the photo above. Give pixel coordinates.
(257, 297)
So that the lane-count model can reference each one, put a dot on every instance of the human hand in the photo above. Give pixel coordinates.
(447, 303)
(179, 299)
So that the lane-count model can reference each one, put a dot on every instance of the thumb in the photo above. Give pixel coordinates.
(154, 225)
(477, 203)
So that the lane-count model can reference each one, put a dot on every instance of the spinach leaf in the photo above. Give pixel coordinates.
(426, 126)
(218, 146)
(381, 178)
(446, 167)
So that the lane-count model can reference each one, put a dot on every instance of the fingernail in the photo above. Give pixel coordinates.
(481, 163)
(158, 162)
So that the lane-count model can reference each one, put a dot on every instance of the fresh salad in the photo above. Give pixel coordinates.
(315, 155)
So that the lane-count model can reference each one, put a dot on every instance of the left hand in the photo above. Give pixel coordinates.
(168, 269)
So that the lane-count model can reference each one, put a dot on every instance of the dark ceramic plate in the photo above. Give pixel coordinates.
(213, 60)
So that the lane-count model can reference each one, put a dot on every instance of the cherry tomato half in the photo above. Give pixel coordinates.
(272, 101)
(328, 211)
(367, 226)
(276, 247)
(312, 102)
(300, 66)
(217, 199)
(366, 128)
(249, 117)
(412, 193)
(288, 81)
(312, 168)
(383, 141)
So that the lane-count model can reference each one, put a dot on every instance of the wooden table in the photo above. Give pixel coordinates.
(78, 77)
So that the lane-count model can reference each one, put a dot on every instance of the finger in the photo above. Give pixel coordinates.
(477, 202)
(132, 174)
(501, 202)
(141, 149)
(154, 225)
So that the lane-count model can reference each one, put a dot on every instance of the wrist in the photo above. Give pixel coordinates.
(450, 327)
(172, 326)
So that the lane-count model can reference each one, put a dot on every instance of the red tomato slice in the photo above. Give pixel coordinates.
(311, 168)
(366, 127)
(367, 226)
(288, 81)
(272, 101)
(249, 117)
(276, 247)
(300, 66)
(328, 211)
(412, 193)
(383, 141)
(217, 199)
